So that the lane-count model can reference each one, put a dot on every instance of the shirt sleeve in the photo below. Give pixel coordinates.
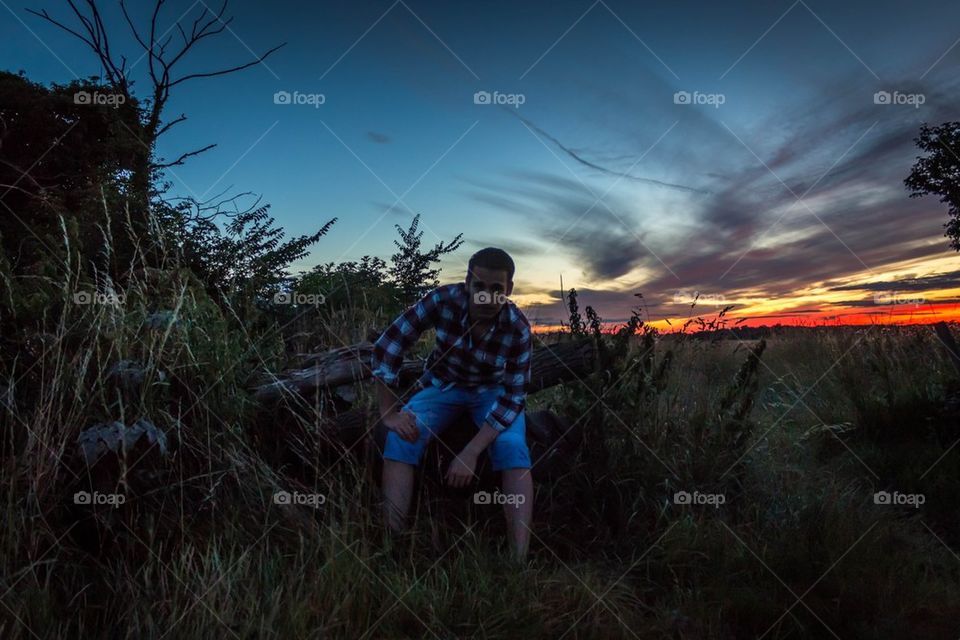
(388, 350)
(512, 399)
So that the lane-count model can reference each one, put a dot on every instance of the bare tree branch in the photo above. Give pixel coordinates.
(139, 39)
(92, 32)
(170, 124)
(46, 16)
(216, 204)
(184, 157)
(225, 71)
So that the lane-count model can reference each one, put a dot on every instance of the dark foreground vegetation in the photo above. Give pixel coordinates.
(722, 489)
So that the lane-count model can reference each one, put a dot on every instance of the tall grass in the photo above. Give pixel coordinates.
(796, 435)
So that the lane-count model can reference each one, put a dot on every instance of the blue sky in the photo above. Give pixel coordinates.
(599, 176)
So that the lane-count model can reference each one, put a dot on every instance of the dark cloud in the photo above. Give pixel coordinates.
(579, 158)
(866, 302)
(799, 313)
(604, 235)
(395, 209)
(379, 138)
(899, 301)
(949, 280)
(513, 247)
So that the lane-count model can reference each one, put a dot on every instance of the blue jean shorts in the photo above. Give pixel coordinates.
(436, 407)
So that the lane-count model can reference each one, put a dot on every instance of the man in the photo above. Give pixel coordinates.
(481, 364)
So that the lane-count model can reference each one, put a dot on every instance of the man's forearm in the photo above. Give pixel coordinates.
(388, 400)
(482, 440)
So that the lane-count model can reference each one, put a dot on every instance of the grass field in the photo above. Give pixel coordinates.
(725, 490)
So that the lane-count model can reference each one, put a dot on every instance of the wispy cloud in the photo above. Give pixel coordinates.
(749, 236)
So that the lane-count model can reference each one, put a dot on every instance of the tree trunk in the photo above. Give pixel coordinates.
(550, 365)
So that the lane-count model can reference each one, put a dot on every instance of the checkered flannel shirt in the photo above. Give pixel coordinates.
(500, 357)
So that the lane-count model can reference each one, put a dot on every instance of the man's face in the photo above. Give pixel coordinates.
(488, 289)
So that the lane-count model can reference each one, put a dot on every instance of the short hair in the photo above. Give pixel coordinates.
(492, 258)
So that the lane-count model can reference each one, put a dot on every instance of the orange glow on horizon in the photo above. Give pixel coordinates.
(888, 315)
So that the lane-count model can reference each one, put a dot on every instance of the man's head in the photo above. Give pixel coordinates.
(489, 281)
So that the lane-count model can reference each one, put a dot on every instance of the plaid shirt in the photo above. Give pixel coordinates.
(500, 357)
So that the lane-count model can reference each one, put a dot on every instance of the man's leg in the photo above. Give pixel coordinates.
(509, 455)
(434, 410)
(519, 516)
(397, 486)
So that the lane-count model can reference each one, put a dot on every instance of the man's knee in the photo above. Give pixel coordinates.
(399, 450)
(510, 438)
(509, 451)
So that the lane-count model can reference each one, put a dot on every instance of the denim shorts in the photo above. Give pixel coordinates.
(436, 407)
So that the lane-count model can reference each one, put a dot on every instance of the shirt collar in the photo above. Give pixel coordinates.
(504, 318)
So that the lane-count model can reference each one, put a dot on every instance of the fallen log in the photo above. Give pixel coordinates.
(550, 365)
(552, 439)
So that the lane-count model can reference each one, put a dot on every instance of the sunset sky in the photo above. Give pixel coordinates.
(739, 150)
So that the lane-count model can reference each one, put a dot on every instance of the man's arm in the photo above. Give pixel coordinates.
(481, 441)
(387, 399)
(512, 399)
(403, 333)
(387, 358)
(510, 403)
(461, 469)
(405, 424)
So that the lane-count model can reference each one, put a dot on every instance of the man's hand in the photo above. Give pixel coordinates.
(461, 469)
(404, 423)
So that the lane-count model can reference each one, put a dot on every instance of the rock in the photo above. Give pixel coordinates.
(119, 438)
(130, 375)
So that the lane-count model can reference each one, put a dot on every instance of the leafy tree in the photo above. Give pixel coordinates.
(365, 283)
(411, 268)
(938, 172)
(247, 257)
